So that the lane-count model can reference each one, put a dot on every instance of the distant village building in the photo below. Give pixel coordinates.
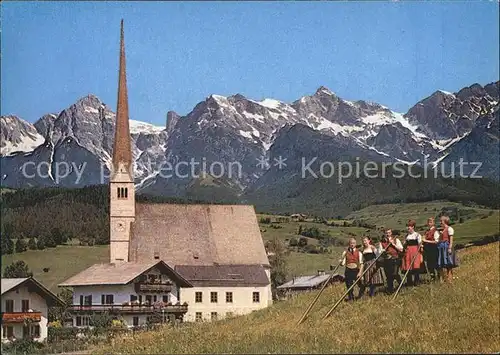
(298, 217)
(25, 305)
(307, 283)
(186, 262)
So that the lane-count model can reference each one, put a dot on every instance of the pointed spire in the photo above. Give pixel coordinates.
(122, 155)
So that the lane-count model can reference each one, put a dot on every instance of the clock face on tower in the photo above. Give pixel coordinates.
(120, 226)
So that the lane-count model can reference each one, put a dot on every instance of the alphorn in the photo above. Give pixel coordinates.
(406, 274)
(306, 313)
(352, 286)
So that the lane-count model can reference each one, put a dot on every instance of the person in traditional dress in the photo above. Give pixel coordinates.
(352, 259)
(373, 277)
(447, 259)
(412, 259)
(430, 248)
(392, 247)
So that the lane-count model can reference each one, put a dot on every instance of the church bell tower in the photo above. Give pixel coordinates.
(121, 183)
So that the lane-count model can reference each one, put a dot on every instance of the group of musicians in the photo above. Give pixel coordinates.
(432, 253)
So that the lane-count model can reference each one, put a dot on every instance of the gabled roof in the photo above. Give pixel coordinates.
(11, 284)
(197, 235)
(224, 275)
(120, 274)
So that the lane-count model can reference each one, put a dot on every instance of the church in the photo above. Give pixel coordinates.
(170, 261)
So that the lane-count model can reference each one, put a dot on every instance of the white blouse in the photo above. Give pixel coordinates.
(414, 236)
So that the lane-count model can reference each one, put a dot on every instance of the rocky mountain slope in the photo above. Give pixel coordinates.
(235, 140)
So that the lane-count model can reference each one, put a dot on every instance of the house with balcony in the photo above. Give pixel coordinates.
(136, 293)
(25, 305)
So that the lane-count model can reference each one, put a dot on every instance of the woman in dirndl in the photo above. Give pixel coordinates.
(430, 249)
(373, 277)
(412, 260)
(447, 258)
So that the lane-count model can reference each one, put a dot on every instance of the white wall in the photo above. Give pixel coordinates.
(36, 303)
(121, 292)
(242, 301)
(121, 295)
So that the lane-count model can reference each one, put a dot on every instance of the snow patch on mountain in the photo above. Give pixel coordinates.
(270, 103)
(144, 127)
(27, 144)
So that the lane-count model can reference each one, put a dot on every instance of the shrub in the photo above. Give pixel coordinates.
(293, 242)
(312, 232)
(55, 324)
(32, 244)
(21, 245)
(22, 346)
(57, 334)
(265, 220)
(302, 242)
(40, 244)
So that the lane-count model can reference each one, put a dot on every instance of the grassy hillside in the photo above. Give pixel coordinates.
(395, 215)
(476, 221)
(462, 318)
(62, 262)
(67, 260)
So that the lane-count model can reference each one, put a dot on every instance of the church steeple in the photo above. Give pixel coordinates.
(122, 155)
(121, 182)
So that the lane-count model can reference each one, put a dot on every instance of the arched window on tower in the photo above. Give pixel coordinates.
(122, 192)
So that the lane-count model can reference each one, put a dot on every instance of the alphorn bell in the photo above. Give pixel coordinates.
(306, 313)
(352, 286)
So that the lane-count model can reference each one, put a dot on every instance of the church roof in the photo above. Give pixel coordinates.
(197, 235)
(224, 275)
(119, 274)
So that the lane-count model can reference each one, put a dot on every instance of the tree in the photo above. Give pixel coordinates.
(17, 269)
(48, 241)
(21, 245)
(277, 260)
(6, 229)
(7, 245)
(302, 242)
(40, 244)
(32, 244)
(61, 313)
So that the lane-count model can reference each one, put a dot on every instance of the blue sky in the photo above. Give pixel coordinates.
(178, 53)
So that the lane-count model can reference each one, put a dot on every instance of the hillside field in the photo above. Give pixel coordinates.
(65, 261)
(462, 317)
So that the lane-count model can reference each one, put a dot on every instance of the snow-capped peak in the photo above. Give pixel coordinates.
(324, 90)
(270, 103)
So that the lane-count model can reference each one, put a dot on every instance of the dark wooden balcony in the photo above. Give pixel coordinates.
(21, 317)
(153, 287)
(116, 308)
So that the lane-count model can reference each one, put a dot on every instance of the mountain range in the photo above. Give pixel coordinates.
(240, 142)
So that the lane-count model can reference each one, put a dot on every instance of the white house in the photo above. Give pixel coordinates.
(25, 304)
(131, 292)
(213, 256)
